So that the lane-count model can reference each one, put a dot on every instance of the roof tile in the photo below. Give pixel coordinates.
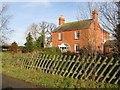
(84, 24)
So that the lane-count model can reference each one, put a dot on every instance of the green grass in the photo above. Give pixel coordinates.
(38, 77)
(52, 81)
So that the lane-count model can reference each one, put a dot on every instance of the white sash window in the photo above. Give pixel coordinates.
(60, 36)
(77, 34)
(77, 48)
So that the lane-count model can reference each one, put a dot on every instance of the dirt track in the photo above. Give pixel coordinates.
(10, 82)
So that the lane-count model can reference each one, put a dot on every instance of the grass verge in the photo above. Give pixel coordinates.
(38, 77)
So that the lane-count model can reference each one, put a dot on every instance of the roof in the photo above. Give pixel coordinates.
(110, 43)
(84, 24)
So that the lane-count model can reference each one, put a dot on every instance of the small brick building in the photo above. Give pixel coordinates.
(74, 36)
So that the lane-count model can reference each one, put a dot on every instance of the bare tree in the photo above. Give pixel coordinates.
(46, 29)
(33, 28)
(117, 29)
(43, 28)
(4, 20)
(108, 14)
(91, 38)
(51, 27)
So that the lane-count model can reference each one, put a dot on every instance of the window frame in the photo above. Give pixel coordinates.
(77, 35)
(76, 49)
(60, 36)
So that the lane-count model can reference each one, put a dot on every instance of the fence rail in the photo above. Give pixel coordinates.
(99, 69)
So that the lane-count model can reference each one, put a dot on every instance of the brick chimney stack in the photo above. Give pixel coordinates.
(95, 15)
(61, 20)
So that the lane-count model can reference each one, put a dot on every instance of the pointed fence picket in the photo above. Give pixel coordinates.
(103, 69)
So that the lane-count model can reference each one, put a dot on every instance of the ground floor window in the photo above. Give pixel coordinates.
(77, 48)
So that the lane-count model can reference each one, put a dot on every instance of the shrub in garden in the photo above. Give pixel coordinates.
(52, 50)
(69, 53)
(14, 47)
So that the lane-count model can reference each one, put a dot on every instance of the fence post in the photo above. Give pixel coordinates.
(43, 64)
(61, 64)
(80, 62)
(54, 64)
(49, 68)
(38, 61)
(96, 63)
(83, 66)
(114, 75)
(90, 63)
(58, 61)
(64, 66)
(47, 60)
(42, 59)
(50, 59)
(69, 65)
(104, 62)
(71, 70)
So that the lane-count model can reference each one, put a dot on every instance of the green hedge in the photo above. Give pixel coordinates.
(52, 51)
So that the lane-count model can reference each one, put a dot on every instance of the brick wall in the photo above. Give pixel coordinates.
(86, 37)
(91, 36)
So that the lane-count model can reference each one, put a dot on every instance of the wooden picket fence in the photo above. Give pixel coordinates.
(99, 69)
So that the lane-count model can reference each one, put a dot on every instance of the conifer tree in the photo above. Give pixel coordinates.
(40, 42)
(29, 43)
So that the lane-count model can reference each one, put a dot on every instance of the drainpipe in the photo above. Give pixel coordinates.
(102, 41)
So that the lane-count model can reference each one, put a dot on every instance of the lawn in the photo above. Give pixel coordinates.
(38, 77)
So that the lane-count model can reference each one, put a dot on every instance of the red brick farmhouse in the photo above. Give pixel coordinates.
(74, 36)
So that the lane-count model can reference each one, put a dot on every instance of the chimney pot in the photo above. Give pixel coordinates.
(61, 20)
(95, 15)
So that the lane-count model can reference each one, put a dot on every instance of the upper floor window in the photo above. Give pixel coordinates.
(60, 36)
(102, 36)
(77, 34)
(77, 48)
